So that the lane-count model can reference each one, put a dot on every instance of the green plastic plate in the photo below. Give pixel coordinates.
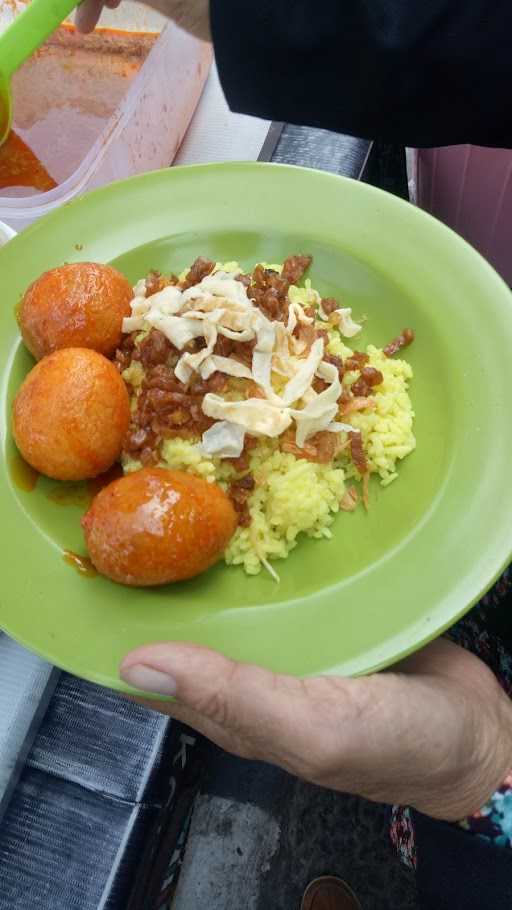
(389, 580)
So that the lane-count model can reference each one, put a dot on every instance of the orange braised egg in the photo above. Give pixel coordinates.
(71, 415)
(157, 526)
(81, 304)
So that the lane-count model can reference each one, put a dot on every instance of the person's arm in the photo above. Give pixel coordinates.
(434, 733)
(414, 72)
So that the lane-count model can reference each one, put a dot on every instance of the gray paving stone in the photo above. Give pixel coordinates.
(258, 836)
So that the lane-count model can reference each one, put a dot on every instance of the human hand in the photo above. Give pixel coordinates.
(436, 733)
(191, 15)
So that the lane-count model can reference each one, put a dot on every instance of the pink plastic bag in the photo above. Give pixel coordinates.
(470, 189)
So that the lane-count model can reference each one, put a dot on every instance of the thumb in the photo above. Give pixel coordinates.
(87, 15)
(243, 708)
(206, 681)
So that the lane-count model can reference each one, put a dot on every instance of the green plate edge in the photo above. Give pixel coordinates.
(64, 230)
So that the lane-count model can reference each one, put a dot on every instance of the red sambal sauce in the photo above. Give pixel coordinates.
(20, 167)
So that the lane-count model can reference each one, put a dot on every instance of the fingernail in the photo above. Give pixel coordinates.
(149, 680)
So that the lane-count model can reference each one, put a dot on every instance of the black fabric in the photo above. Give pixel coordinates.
(457, 869)
(413, 72)
(499, 622)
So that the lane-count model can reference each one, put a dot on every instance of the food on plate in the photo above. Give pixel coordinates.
(242, 411)
(156, 526)
(71, 415)
(77, 305)
(254, 383)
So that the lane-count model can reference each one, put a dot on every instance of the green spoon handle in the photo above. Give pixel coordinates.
(30, 30)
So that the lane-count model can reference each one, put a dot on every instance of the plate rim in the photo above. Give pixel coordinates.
(168, 174)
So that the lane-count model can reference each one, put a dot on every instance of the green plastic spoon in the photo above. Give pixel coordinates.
(19, 41)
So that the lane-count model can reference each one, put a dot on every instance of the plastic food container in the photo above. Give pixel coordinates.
(103, 107)
(470, 189)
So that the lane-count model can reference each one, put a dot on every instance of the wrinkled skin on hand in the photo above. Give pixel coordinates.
(434, 733)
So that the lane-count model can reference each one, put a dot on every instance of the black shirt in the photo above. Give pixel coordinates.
(414, 72)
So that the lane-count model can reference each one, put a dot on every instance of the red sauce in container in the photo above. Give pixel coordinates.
(20, 167)
(77, 81)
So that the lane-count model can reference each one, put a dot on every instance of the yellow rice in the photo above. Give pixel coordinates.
(294, 496)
